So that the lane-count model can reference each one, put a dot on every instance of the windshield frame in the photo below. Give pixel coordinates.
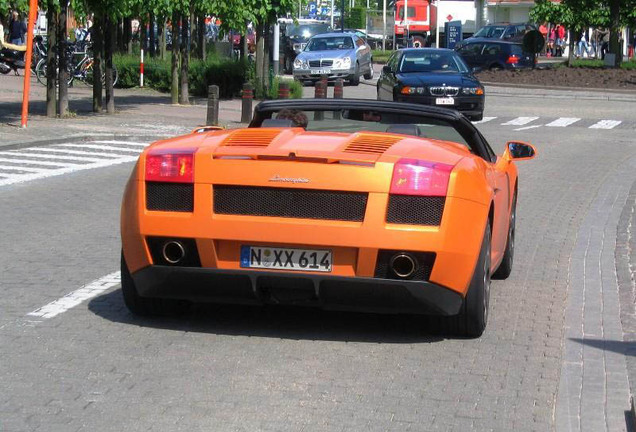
(313, 41)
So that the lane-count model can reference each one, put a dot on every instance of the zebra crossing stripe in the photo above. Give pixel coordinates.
(527, 127)
(38, 162)
(25, 169)
(563, 122)
(128, 143)
(99, 147)
(104, 156)
(49, 156)
(484, 120)
(520, 121)
(605, 124)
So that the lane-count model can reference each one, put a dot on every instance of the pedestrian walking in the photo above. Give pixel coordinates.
(551, 40)
(583, 46)
(560, 42)
(17, 30)
(543, 29)
(604, 35)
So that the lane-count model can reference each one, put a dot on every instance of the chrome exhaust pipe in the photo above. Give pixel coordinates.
(173, 252)
(403, 265)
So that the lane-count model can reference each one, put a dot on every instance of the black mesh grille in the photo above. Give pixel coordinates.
(415, 210)
(292, 203)
(178, 197)
(425, 261)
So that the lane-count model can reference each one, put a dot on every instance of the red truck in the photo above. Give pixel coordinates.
(422, 19)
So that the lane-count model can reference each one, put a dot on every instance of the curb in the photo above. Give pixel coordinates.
(603, 94)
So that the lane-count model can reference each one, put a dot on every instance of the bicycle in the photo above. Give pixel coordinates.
(81, 70)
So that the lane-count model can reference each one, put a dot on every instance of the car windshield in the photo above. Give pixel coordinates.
(361, 120)
(306, 30)
(490, 32)
(330, 43)
(431, 61)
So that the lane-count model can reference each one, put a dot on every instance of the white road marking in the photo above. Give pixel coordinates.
(605, 124)
(21, 168)
(563, 122)
(75, 152)
(38, 162)
(99, 147)
(520, 121)
(49, 156)
(129, 143)
(527, 127)
(77, 297)
(484, 120)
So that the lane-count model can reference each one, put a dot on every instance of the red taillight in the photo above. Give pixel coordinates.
(513, 59)
(418, 177)
(170, 165)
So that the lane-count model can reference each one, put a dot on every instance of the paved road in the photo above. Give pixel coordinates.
(553, 356)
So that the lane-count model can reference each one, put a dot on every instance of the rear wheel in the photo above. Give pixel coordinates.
(496, 67)
(369, 75)
(419, 42)
(505, 268)
(478, 117)
(144, 306)
(473, 316)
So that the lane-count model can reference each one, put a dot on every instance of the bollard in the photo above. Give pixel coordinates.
(213, 106)
(319, 92)
(246, 108)
(325, 82)
(283, 90)
(338, 93)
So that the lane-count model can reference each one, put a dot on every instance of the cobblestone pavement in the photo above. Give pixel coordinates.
(228, 368)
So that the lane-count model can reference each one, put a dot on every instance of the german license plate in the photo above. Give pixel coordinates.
(445, 101)
(320, 72)
(273, 258)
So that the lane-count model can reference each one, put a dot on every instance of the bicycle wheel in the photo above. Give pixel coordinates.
(40, 71)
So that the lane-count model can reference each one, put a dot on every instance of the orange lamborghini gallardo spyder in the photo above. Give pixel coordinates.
(340, 204)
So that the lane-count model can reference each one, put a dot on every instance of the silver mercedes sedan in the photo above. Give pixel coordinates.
(337, 55)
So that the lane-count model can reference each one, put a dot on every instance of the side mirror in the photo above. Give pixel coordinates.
(517, 150)
(386, 69)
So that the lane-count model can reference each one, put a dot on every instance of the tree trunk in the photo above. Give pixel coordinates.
(51, 90)
(266, 82)
(201, 36)
(127, 35)
(260, 51)
(143, 33)
(174, 87)
(120, 36)
(98, 49)
(62, 101)
(571, 43)
(153, 42)
(185, 44)
(615, 29)
(161, 30)
(109, 41)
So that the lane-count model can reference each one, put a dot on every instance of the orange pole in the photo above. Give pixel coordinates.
(33, 13)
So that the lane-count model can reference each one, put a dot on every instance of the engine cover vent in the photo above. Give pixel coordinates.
(251, 137)
(369, 143)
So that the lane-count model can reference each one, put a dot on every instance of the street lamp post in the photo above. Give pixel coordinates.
(342, 7)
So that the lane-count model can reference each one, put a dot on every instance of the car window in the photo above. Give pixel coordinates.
(474, 49)
(329, 43)
(510, 32)
(521, 30)
(516, 49)
(492, 49)
(411, 12)
(393, 60)
(359, 42)
(431, 61)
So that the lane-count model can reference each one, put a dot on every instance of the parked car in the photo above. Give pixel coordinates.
(294, 38)
(432, 76)
(337, 55)
(504, 31)
(329, 203)
(495, 54)
(374, 41)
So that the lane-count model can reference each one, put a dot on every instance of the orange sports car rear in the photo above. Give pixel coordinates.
(337, 204)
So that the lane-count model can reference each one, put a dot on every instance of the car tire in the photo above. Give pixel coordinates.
(369, 75)
(419, 42)
(354, 80)
(478, 117)
(144, 306)
(473, 316)
(505, 268)
(496, 67)
(288, 65)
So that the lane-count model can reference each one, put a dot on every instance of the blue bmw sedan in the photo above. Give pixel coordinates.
(432, 76)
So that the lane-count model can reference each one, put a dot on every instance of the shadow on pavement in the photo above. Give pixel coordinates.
(277, 322)
(626, 348)
(11, 111)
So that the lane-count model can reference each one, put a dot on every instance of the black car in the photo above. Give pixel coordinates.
(294, 38)
(432, 76)
(494, 54)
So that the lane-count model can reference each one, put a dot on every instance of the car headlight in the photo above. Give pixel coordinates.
(473, 90)
(408, 90)
(299, 64)
(343, 63)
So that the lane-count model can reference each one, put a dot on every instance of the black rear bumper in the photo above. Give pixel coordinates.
(301, 289)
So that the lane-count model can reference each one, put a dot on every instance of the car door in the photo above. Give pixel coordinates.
(490, 56)
(387, 79)
(470, 54)
(363, 53)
